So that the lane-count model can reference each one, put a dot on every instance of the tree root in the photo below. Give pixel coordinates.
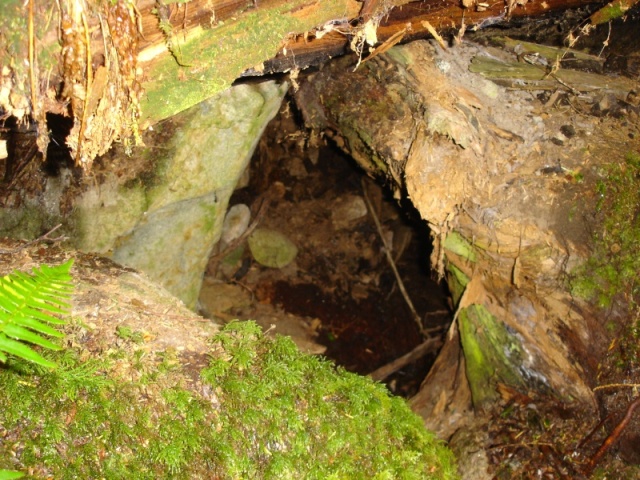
(612, 438)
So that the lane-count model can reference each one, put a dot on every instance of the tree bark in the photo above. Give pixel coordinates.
(119, 67)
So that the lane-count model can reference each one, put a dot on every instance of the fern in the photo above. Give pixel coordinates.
(10, 475)
(28, 304)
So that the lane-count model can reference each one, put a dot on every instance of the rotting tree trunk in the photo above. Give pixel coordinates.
(506, 205)
(117, 67)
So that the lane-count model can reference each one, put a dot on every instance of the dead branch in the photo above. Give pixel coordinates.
(428, 346)
(387, 252)
(612, 438)
(39, 239)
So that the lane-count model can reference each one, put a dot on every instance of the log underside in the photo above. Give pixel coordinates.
(117, 68)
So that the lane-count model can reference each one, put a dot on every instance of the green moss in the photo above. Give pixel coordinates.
(456, 281)
(299, 417)
(459, 245)
(614, 264)
(611, 11)
(491, 353)
(264, 410)
(126, 333)
(212, 59)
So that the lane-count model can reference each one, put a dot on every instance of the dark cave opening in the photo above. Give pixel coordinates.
(341, 284)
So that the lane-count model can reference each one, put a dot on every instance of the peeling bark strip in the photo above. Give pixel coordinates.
(472, 157)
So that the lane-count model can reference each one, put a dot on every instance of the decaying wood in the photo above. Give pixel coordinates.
(128, 63)
(475, 161)
(410, 19)
(544, 76)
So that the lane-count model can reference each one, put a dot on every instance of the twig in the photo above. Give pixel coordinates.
(420, 351)
(617, 385)
(39, 239)
(613, 437)
(439, 328)
(387, 252)
(435, 34)
(586, 439)
(390, 42)
(32, 68)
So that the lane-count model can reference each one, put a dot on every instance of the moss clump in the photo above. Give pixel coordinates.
(459, 245)
(261, 410)
(296, 416)
(614, 265)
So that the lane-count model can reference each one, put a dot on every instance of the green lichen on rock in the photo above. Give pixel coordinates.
(491, 353)
(271, 248)
(261, 409)
(210, 148)
(25, 221)
(102, 214)
(164, 214)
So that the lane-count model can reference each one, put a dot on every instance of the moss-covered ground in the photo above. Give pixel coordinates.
(610, 278)
(613, 268)
(260, 409)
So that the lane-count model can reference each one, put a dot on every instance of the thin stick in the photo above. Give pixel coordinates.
(387, 251)
(32, 67)
(428, 346)
(617, 385)
(39, 239)
(433, 32)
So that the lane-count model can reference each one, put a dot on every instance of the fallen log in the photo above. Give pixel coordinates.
(499, 189)
(117, 68)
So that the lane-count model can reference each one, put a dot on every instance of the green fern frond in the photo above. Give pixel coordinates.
(10, 475)
(28, 304)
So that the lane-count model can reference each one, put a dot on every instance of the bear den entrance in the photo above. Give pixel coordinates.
(339, 296)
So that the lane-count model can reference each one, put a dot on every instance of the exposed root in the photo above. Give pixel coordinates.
(612, 438)
(387, 252)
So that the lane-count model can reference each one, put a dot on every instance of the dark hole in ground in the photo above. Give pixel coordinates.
(341, 281)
